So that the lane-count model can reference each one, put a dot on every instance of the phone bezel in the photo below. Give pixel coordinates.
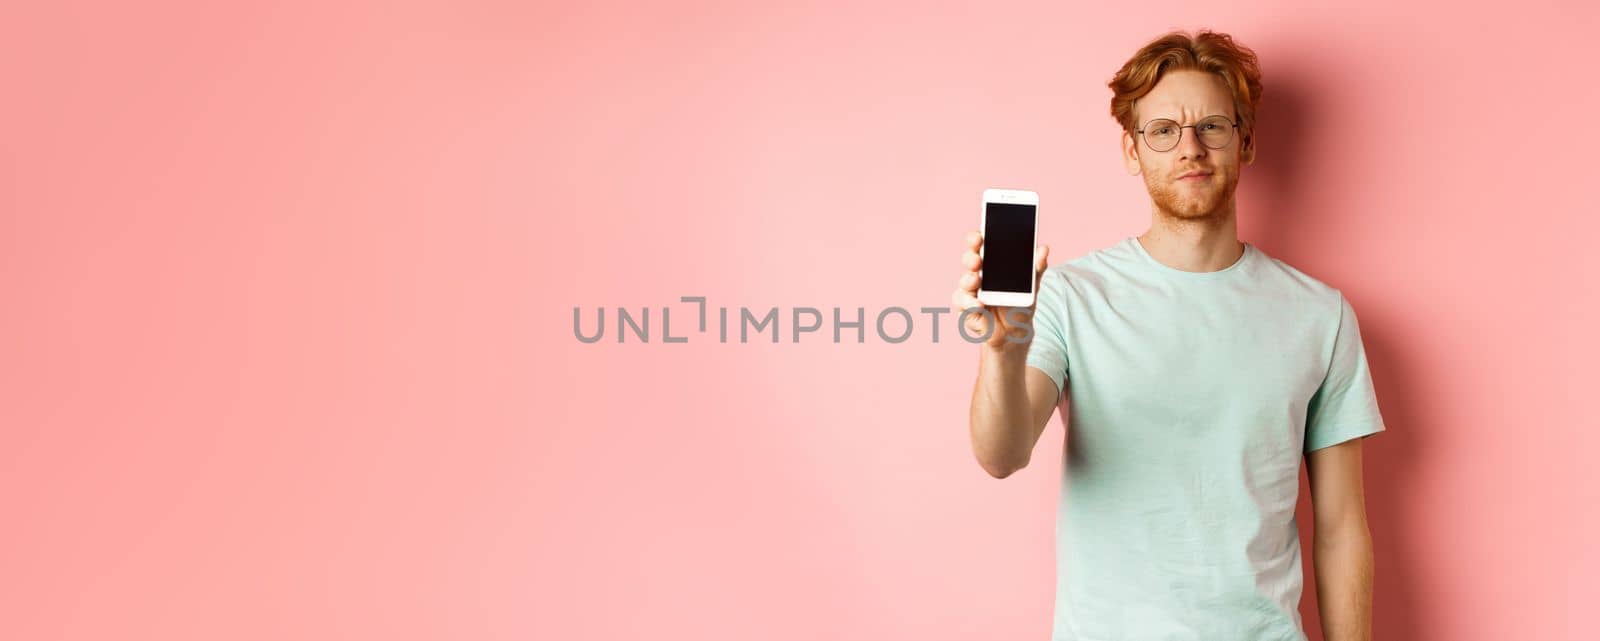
(996, 298)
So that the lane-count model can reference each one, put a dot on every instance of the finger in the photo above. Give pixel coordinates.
(1041, 258)
(968, 282)
(962, 301)
(971, 261)
(974, 240)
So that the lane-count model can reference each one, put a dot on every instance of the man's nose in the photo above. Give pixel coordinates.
(1189, 145)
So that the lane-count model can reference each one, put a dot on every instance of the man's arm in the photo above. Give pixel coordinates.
(1343, 545)
(1011, 405)
(1011, 402)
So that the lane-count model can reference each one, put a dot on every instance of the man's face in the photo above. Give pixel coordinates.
(1190, 181)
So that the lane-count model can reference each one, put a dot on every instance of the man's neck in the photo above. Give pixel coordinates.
(1204, 245)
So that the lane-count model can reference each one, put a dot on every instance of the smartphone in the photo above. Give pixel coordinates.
(1010, 225)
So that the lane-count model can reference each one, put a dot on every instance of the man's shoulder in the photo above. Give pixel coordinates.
(1095, 266)
(1120, 261)
(1295, 290)
(1294, 283)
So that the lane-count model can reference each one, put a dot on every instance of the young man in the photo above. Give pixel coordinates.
(1195, 371)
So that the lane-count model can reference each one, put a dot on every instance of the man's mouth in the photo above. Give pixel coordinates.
(1195, 176)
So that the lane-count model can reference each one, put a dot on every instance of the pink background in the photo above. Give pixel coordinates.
(287, 344)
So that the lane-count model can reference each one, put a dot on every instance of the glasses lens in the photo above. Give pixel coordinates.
(1215, 132)
(1161, 135)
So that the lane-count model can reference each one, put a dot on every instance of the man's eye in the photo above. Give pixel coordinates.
(1209, 126)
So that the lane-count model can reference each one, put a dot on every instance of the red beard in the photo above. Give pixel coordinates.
(1175, 200)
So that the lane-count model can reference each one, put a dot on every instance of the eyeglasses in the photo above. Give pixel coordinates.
(1162, 134)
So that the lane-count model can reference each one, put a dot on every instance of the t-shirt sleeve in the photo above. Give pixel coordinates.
(1345, 406)
(1048, 352)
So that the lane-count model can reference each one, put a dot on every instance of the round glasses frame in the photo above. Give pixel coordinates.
(1223, 120)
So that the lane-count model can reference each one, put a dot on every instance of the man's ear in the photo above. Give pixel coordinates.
(1130, 153)
(1247, 152)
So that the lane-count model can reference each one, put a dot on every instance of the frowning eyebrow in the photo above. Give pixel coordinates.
(1147, 122)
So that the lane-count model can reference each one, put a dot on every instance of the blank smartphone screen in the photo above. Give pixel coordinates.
(1008, 247)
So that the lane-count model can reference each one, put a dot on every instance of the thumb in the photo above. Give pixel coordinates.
(1041, 258)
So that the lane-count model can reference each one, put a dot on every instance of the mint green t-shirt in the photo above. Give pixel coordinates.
(1193, 397)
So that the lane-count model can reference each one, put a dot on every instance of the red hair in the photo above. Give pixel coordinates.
(1206, 51)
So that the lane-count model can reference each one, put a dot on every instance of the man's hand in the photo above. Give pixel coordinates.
(1011, 402)
(1006, 320)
